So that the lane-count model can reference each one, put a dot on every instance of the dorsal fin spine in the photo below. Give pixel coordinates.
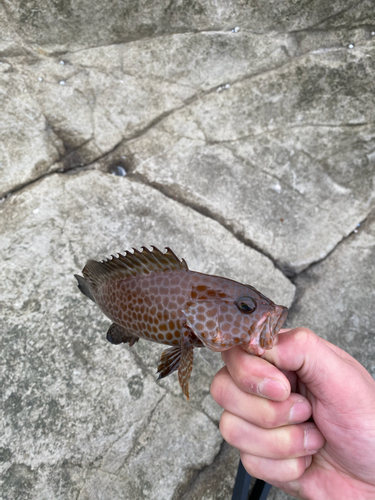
(150, 255)
(131, 264)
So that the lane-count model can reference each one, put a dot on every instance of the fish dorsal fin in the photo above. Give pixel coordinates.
(131, 264)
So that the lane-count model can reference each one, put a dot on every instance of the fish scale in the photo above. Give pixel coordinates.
(154, 296)
(147, 306)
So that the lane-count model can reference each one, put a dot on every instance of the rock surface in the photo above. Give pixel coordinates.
(280, 127)
(245, 131)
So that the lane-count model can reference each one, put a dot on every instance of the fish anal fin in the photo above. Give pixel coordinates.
(185, 367)
(169, 361)
(118, 335)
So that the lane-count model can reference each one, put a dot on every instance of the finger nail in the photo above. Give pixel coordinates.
(299, 412)
(308, 460)
(313, 440)
(272, 389)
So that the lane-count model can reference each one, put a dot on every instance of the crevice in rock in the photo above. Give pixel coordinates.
(201, 209)
(134, 38)
(338, 244)
(78, 165)
(296, 126)
(332, 16)
(206, 212)
(72, 165)
(135, 440)
(82, 166)
(141, 430)
(152, 36)
(183, 491)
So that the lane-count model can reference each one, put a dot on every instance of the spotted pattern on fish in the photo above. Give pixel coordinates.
(152, 295)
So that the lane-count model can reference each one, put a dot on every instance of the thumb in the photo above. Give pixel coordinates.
(324, 368)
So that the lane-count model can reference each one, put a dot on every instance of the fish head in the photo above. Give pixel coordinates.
(243, 316)
(260, 321)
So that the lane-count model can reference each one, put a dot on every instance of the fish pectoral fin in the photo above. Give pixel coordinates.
(169, 361)
(118, 335)
(181, 358)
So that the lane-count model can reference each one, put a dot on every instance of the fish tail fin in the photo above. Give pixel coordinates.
(84, 287)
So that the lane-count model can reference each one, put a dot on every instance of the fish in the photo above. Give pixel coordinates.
(154, 296)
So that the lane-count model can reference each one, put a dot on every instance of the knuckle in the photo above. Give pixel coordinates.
(305, 336)
(226, 428)
(251, 464)
(217, 390)
(284, 445)
(270, 419)
(297, 467)
(224, 425)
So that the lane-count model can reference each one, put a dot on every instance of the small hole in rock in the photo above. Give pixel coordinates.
(120, 166)
(117, 170)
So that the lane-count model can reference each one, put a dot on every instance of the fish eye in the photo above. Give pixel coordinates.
(246, 305)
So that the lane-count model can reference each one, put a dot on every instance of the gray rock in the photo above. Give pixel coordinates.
(80, 413)
(285, 121)
(277, 186)
(11, 44)
(175, 442)
(94, 99)
(81, 25)
(28, 147)
(215, 482)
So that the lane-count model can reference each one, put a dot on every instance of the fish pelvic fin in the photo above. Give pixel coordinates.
(169, 361)
(130, 264)
(118, 335)
(181, 358)
(84, 287)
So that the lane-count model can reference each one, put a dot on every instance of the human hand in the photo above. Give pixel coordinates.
(268, 403)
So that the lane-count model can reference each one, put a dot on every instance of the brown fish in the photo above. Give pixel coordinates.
(153, 296)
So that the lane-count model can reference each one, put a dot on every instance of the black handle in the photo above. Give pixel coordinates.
(241, 488)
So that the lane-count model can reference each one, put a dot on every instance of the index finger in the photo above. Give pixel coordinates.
(256, 375)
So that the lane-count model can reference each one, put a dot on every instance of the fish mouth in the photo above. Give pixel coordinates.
(271, 327)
